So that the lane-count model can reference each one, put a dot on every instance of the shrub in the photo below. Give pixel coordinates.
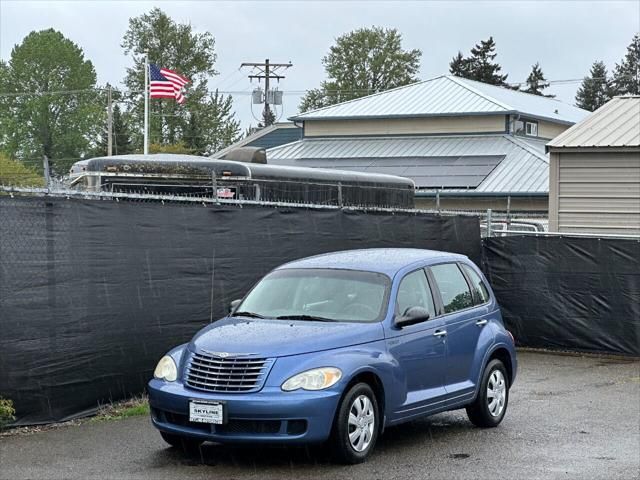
(7, 412)
(17, 174)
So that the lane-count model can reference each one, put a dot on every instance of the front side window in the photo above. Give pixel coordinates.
(414, 291)
(453, 287)
(480, 292)
(321, 294)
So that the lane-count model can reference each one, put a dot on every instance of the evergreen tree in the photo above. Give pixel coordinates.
(536, 82)
(362, 62)
(223, 128)
(268, 118)
(459, 66)
(480, 65)
(194, 138)
(122, 142)
(213, 125)
(595, 90)
(626, 75)
(121, 136)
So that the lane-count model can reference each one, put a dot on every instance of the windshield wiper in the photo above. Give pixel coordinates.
(247, 314)
(305, 317)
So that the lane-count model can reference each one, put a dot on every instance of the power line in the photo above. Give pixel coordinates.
(285, 92)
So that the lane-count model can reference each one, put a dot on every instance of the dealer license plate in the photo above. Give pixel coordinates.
(206, 412)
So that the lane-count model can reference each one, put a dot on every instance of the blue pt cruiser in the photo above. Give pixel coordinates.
(338, 347)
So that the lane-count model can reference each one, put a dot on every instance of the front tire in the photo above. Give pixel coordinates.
(356, 425)
(490, 405)
(182, 443)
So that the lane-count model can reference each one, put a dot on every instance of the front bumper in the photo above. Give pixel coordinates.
(269, 415)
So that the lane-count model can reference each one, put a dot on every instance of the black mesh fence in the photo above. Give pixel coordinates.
(93, 292)
(568, 293)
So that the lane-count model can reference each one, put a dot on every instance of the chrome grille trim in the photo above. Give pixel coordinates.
(226, 375)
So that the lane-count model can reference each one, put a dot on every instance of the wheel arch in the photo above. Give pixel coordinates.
(501, 353)
(372, 379)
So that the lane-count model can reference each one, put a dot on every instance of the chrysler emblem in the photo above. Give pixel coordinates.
(227, 354)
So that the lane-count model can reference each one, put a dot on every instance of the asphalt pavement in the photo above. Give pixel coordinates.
(569, 417)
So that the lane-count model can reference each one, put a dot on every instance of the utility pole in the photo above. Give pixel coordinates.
(266, 71)
(109, 122)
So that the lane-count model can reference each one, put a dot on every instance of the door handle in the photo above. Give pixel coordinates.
(440, 333)
(482, 322)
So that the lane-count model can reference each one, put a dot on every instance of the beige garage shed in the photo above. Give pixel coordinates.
(594, 177)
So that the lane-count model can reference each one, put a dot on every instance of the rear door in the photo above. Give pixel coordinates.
(464, 316)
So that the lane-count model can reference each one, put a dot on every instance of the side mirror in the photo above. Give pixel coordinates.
(234, 304)
(411, 316)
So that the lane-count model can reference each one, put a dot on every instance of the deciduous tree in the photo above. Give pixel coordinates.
(178, 47)
(362, 62)
(53, 108)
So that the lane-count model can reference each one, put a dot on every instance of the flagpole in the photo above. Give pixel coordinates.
(146, 104)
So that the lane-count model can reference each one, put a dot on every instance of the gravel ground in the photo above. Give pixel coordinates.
(568, 417)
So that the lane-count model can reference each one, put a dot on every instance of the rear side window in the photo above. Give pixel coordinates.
(414, 291)
(480, 292)
(453, 287)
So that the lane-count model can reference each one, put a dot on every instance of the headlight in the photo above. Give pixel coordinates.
(166, 369)
(316, 379)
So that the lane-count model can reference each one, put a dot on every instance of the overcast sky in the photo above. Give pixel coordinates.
(564, 36)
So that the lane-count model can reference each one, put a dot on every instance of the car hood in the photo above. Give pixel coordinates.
(280, 338)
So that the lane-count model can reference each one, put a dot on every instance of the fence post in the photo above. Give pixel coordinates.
(47, 173)
(214, 186)
(340, 194)
(489, 215)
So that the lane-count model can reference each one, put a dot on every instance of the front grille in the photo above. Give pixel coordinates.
(230, 374)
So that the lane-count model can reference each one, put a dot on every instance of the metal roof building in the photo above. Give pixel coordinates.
(267, 137)
(484, 163)
(465, 144)
(448, 96)
(594, 184)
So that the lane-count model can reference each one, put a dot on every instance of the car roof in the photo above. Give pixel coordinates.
(381, 260)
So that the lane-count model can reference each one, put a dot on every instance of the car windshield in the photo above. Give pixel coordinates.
(318, 294)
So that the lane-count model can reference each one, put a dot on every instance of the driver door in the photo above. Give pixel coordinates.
(419, 349)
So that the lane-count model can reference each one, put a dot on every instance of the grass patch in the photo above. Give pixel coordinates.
(117, 411)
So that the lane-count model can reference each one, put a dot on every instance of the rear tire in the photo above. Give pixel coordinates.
(183, 443)
(356, 426)
(490, 405)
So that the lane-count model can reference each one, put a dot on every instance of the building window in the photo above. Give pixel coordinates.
(526, 127)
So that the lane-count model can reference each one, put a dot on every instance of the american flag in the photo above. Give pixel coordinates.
(166, 84)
